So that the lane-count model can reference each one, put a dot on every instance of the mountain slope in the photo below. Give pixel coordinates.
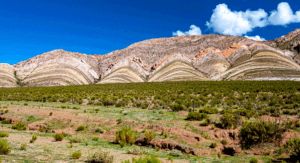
(182, 58)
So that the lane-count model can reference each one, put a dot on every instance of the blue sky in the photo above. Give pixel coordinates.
(32, 27)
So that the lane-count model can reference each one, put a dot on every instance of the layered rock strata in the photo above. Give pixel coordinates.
(182, 58)
(7, 76)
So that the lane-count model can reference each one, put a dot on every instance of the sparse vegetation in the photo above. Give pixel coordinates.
(4, 134)
(137, 151)
(229, 105)
(19, 126)
(175, 153)
(95, 138)
(147, 159)
(149, 136)
(77, 138)
(260, 132)
(293, 147)
(196, 116)
(101, 157)
(59, 137)
(80, 128)
(76, 155)
(23, 146)
(126, 136)
(4, 147)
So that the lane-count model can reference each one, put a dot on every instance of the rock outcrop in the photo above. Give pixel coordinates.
(58, 67)
(7, 76)
(182, 58)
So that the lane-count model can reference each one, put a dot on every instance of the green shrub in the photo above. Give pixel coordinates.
(80, 128)
(76, 108)
(42, 129)
(166, 135)
(122, 144)
(259, 132)
(6, 121)
(177, 107)
(170, 158)
(76, 155)
(119, 121)
(25, 104)
(77, 138)
(101, 157)
(297, 123)
(19, 126)
(100, 104)
(229, 120)
(253, 160)
(34, 138)
(149, 136)
(63, 107)
(145, 105)
(99, 130)
(125, 135)
(137, 151)
(95, 138)
(118, 104)
(175, 153)
(279, 151)
(4, 134)
(147, 159)
(293, 147)
(59, 137)
(224, 142)
(213, 145)
(23, 146)
(196, 116)
(206, 122)
(208, 110)
(50, 113)
(4, 147)
(206, 135)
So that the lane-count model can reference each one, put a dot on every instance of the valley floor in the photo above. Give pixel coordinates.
(188, 134)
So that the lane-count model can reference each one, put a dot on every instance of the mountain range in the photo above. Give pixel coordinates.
(183, 58)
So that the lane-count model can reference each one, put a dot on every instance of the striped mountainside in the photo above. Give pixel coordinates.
(182, 58)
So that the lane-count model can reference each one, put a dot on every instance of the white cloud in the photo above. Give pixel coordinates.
(237, 23)
(194, 30)
(256, 38)
(284, 15)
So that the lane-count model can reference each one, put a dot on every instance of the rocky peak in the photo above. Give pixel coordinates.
(289, 42)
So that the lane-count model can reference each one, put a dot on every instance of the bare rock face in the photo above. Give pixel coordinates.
(211, 64)
(239, 56)
(289, 42)
(182, 58)
(176, 67)
(7, 76)
(58, 67)
(125, 71)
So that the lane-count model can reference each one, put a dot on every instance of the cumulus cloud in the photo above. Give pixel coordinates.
(256, 38)
(194, 30)
(284, 15)
(237, 23)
